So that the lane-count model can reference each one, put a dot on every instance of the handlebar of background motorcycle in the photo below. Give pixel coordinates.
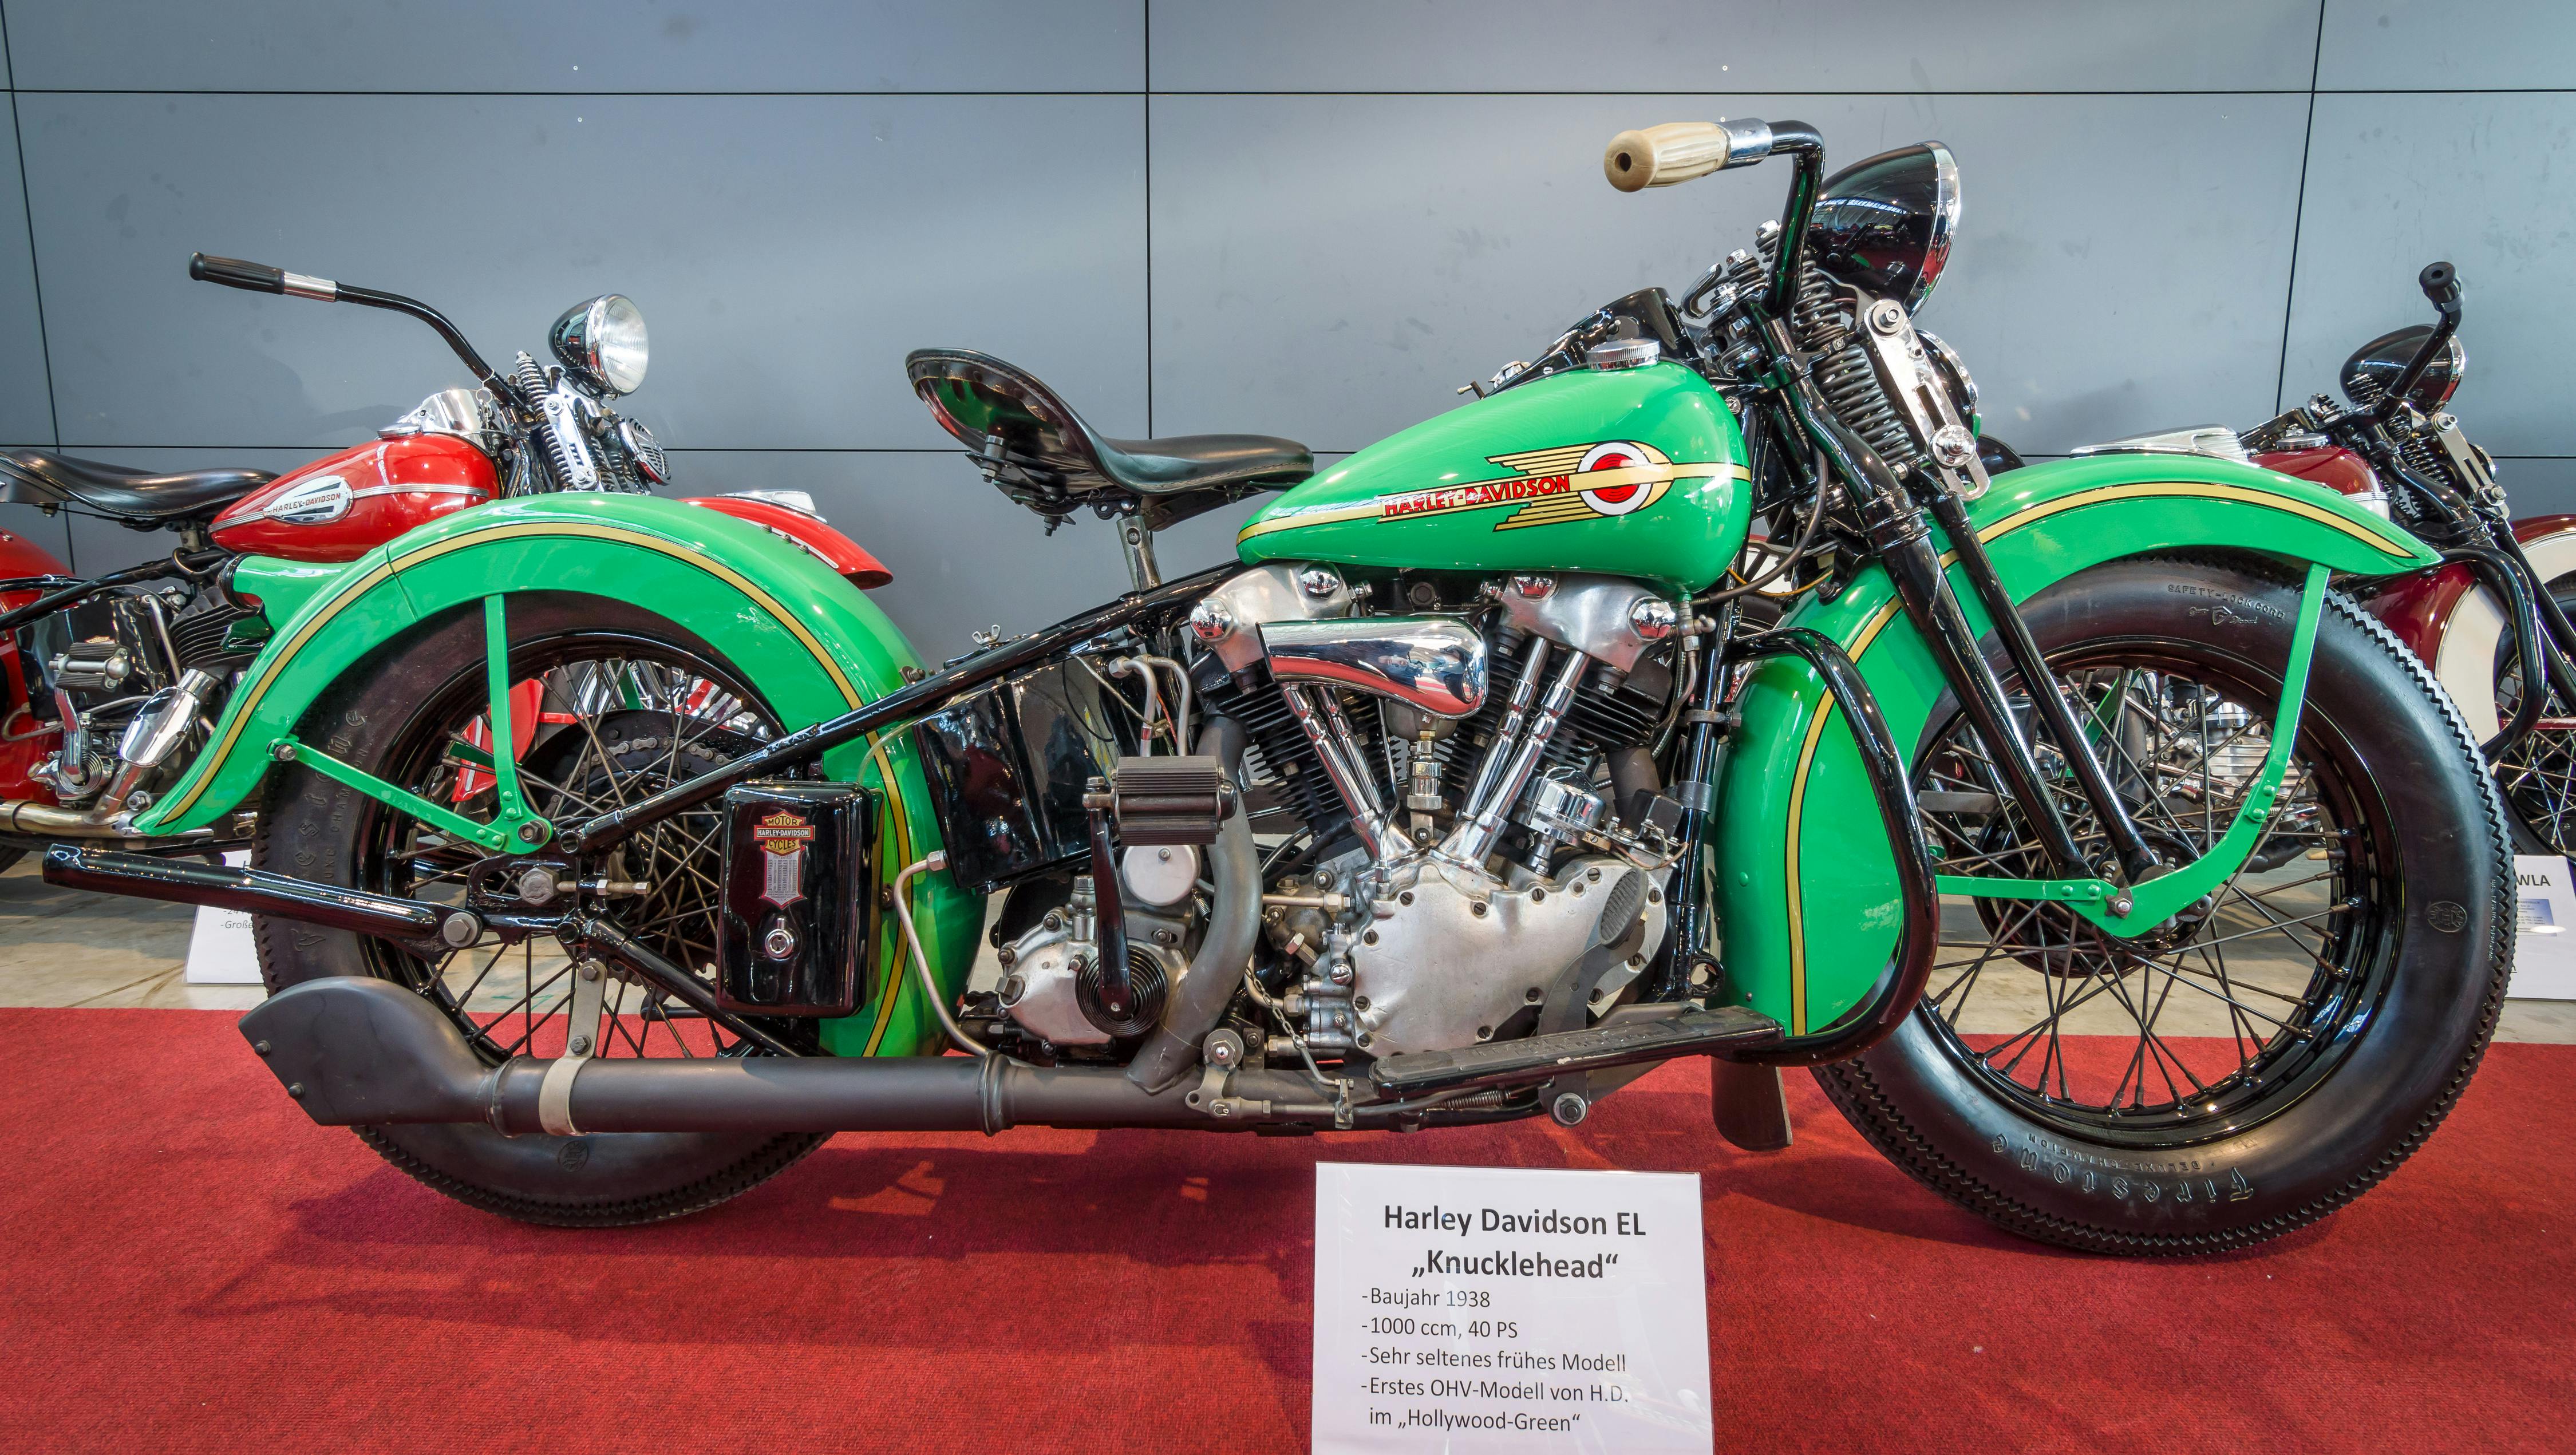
(264, 278)
(2441, 285)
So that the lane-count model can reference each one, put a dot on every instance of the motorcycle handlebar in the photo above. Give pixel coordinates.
(1677, 151)
(260, 278)
(2441, 284)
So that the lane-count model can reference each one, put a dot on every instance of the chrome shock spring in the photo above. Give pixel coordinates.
(569, 462)
(1843, 372)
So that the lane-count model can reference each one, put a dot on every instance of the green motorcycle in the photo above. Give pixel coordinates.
(1504, 766)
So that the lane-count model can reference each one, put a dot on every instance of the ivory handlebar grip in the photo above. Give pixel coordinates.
(1677, 151)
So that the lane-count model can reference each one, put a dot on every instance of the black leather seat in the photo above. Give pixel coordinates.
(1030, 443)
(137, 497)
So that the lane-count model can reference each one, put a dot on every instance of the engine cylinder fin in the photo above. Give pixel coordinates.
(1284, 756)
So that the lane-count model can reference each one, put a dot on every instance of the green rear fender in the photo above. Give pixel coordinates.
(1807, 889)
(806, 640)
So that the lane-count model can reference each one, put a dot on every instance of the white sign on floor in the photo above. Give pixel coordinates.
(1488, 1308)
(2544, 946)
(220, 951)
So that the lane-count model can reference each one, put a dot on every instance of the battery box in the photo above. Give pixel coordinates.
(799, 898)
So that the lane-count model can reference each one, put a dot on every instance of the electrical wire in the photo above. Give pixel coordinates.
(921, 961)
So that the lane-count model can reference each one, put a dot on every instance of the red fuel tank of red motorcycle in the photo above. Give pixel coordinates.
(2332, 466)
(342, 506)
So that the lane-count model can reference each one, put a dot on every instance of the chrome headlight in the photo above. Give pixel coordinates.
(603, 343)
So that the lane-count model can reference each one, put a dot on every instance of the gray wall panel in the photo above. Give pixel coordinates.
(1328, 266)
(786, 250)
(2411, 45)
(578, 45)
(1692, 45)
(26, 399)
(2539, 487)
(2395, 182)
(1337, 289)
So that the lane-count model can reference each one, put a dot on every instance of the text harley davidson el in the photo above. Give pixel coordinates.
(1465, 797)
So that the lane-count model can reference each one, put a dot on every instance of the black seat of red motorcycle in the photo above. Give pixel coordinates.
(1032, 444)
(132, 495)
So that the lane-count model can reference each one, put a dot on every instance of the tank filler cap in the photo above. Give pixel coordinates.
(1623, 353)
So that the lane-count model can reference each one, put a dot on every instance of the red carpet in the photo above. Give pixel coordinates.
(190, 1265)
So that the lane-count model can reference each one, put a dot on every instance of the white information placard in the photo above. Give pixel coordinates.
(2544, 946)
(1489, 1308)
(220, 951)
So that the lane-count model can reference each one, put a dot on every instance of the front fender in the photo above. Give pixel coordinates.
(804, 638)
(1807, 892)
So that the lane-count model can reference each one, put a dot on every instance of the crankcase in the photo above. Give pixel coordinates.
(1468, 952)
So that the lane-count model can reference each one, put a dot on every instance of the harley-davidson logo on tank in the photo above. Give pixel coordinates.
(1561, 485)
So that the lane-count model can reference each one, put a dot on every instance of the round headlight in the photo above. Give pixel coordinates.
(603, 341)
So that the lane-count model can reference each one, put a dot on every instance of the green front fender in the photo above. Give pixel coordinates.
(1806, 884)
(805, 639)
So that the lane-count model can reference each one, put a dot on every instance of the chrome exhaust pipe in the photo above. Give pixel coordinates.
(156, 731)
(143, 876)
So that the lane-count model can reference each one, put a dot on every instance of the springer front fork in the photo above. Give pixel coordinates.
(2147, 891)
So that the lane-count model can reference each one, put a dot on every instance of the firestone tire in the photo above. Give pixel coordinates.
(310, 827)
(2413, 1050)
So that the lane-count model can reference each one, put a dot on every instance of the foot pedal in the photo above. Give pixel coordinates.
(1749, 1104)
(1567, 1052)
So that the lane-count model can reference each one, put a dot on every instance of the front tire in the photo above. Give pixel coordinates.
(2322, 1089)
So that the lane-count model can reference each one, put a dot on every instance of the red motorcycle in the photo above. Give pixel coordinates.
(108, 684)
(2494, 616)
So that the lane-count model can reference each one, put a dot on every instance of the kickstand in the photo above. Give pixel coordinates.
(1748, 1104)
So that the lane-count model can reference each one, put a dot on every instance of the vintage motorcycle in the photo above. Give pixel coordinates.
(110, 680)
(2494, 616)
(1467, 795)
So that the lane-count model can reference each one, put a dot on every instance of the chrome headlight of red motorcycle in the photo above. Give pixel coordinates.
(603, 343)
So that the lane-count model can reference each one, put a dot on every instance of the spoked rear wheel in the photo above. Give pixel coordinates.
(2279, 1046)
(622, 706)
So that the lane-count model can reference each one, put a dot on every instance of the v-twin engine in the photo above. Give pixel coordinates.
(1485, 841)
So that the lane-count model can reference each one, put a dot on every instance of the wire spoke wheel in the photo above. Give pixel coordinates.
(609, 704)
(2270, 1052)
(2538, 774)
(614, 721)
(2217, 1015)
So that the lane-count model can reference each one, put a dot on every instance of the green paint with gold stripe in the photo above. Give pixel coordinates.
(810, 643)
(1807, 894)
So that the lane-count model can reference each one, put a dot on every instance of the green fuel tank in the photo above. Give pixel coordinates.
(1628, 472)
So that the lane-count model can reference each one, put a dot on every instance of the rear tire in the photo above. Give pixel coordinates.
(2415, 839)
(389, 717)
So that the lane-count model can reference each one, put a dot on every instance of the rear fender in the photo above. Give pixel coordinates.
(850, 561)
(808, 642)
(1807, 891)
